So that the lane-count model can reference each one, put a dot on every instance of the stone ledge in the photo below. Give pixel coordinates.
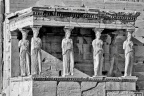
(70, 86)
(95, 79)
(18, 79)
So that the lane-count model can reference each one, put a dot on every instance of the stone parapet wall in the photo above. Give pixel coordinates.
(99, 86)
(21, 88)
(16, 5)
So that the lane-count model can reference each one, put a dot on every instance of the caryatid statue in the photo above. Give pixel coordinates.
(36, 56)
(67, 52)
(24, 54)
(113, 57)
(97, 53)
(129, 52)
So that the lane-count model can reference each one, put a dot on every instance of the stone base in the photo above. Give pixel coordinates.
(58, 86)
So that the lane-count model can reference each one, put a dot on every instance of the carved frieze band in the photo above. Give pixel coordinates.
(102, 79)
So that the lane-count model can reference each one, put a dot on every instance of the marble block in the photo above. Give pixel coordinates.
(68, 89)
(97, 90)
(46, 88)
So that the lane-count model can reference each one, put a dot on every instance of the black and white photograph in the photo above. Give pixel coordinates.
(71, 47)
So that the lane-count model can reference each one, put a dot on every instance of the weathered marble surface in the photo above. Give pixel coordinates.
(22, 88)
(97, 90)
(120, 86)
(120, 93)
(46, 88)
(87, 85)
(26, 86)
(15, 69)
(68, 89)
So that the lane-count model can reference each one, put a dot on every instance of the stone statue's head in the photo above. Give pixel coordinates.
(98, 35)
(67, 30)
(24, 33)
(129, 36)
(35, 30)
(35, 34)
(98, 32)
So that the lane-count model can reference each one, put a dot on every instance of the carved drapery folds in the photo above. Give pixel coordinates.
(129, 53)
(36, 51)
(24, 53)
(97, 52)
(67, 52)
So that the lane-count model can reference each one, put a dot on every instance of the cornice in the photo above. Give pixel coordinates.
(95, 14)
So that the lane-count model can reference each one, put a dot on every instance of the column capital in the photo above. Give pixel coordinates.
(98, 30)
(68, 28)
(130, 30)
(23, 30)
(14, 33)
(35, 28)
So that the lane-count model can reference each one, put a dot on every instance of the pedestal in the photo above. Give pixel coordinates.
(59, 86)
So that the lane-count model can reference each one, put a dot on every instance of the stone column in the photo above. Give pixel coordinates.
(98, 53)
(14, 55)
(36, 55)
(1, 40)
(24, 55)
(113, 50)
(129, 53)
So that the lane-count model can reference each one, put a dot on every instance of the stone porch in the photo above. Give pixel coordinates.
(52, 66)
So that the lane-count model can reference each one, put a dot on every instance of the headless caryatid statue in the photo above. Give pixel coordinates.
(128, 47)
(36, 52)
(67, 52)
(97, 53)
(24, 54)
(113, 58)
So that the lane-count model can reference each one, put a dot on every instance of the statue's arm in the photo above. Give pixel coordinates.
(93, 47)
(40, 43)
(102, 43)
(72, 43)
(93, 44)
(28, 44)
(132, 44)
(62, 46)
(124, 44)
(32, 45)
(19, 44)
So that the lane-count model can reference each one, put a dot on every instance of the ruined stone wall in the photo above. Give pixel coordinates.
(57, 87)
(16, 5)
(21, 88)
